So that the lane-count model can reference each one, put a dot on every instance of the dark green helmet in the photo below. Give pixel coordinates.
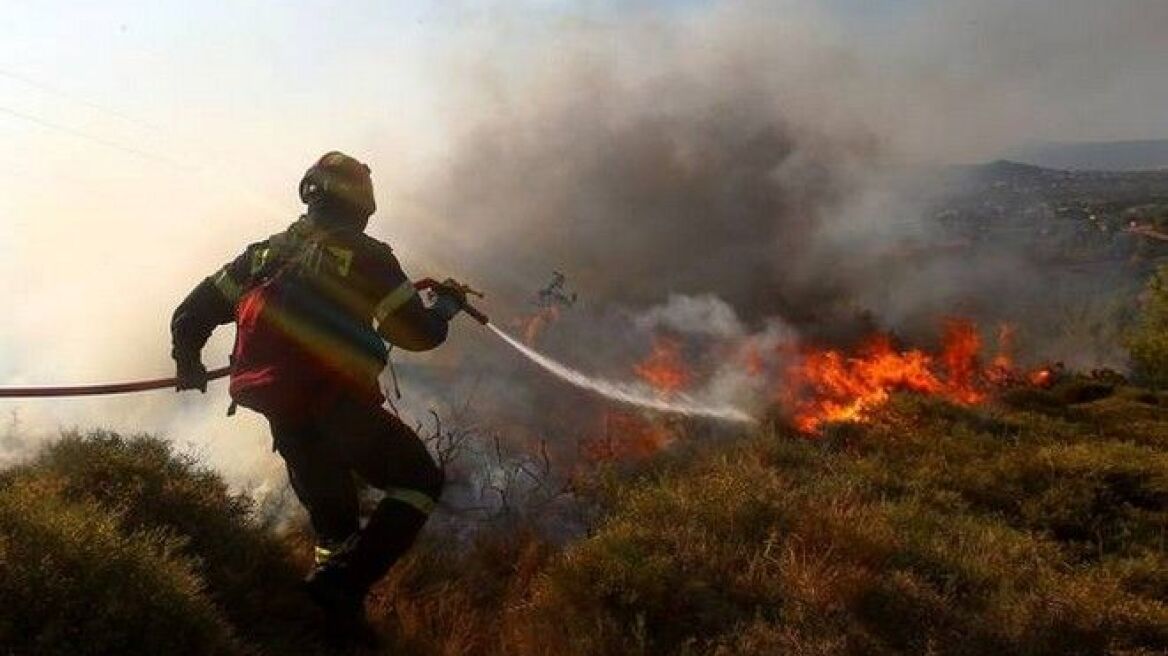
(338, 178)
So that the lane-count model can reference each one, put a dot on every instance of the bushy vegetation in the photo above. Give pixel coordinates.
(72, 582)
(1034, 526)
(1148, 341)
(933, 530)
(120, 545)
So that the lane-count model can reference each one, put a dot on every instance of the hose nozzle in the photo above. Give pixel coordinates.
(462, 291)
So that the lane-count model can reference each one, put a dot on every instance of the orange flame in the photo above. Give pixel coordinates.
(827, 385)
(959, 354)
(625, 436)
(532, 325)
(752, 360)
(1042, 378)
(664, 369)
(1001, 370)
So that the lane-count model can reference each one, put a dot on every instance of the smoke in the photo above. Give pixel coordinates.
(670, 182)
(764, 153)
(702, 315)
(751, 174)
(743, 170)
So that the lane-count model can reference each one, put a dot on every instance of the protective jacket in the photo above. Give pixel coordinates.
(312, 305)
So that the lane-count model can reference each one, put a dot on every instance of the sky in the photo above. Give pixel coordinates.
(145, 142)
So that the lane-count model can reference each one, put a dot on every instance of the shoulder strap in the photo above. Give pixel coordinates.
(275, 257)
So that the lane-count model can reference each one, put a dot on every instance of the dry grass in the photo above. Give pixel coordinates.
(934, 530)
(1037, 526)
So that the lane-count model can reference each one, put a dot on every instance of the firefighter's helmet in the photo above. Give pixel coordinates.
(339, 178)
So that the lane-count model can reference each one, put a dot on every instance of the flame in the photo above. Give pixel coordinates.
(752, 360)
(959, 354)
(827, 385)
(1005, 358)
(625, 436)
(665, 369)
(817, 385)
(1042, 378)
(532, 325)
(1001, 370)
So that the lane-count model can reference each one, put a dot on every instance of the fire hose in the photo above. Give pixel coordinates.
(621, 392)
(99, 390)
(164, 383)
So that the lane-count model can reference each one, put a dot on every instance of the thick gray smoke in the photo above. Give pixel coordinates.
(690, 182)
(765, 157)
(763, 152)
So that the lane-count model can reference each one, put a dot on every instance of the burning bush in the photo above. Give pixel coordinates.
(825, 385)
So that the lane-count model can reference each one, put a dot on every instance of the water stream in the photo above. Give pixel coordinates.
(636, 394)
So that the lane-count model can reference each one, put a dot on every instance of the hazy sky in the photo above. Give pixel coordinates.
(144, 142)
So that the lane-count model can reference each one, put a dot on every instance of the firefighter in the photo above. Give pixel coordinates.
(313, 307)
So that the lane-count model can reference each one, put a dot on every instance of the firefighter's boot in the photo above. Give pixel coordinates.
(390, 532)
(339, 584)
(342, 601)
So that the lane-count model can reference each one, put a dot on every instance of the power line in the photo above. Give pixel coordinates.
(267, 204)
(154, 157)
(79, 100)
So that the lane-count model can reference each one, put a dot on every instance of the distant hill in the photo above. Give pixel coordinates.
(1017, 185)
(1096, 155)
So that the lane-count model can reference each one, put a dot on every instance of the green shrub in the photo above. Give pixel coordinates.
(147, 489)
(154, 489)
(1148, 342)
(73, 582)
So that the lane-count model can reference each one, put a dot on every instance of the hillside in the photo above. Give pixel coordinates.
(1097, 155)
(1074, 214)
(1037, 528)
(1034, 525)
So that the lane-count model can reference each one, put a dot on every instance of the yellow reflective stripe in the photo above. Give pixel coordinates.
(320, 555)
(344, 259)
(394, 300)
(422, 502)
(259, 258)
(227, 286)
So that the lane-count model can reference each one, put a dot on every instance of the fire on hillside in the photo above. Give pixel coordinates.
(813, 386)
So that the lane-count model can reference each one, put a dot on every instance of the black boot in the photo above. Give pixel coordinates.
(343, 602)
(340, 584)
(391, 531)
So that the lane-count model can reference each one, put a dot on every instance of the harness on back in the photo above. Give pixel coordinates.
(303, 337)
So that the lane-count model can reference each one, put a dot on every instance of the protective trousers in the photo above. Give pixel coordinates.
(323, 452)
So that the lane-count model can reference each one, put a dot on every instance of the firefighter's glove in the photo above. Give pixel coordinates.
(190, 373)
(451, 297)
